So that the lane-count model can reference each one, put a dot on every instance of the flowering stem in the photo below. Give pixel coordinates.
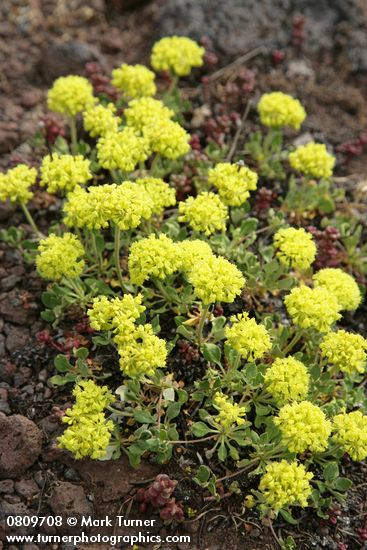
(73, 135)
(117, 255)
(199, 332)
(97, 255)
(30, 220)
(293, 342)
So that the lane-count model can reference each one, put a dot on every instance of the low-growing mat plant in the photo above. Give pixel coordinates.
(279, 394)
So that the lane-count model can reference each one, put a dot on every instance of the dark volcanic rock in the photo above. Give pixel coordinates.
(20, 445)
(236, 26)
(65, 58)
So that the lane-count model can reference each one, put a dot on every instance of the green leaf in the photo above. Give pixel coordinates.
(48, 315)
(288, 517)
(49, 300)
(169, 394)
(143, 417)
(62, 363)
(212, 353)
(59, 380)
(172, 411)
(222, 452)
(200, 429)
(343, 484)
(203, 474)
(331, 471)
(82, 353)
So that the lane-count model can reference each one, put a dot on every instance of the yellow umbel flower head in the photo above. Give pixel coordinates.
(160, 193)
(89, 208)
(351, 433)
(145, 112)
(70, 95)
(250, 339)
(341, 284)
(287, 380)
(153, 256)
(134, 81)
(15, 184)
(345, 350)
(215, 279)
(205, 213)
(142, 353)
(130, 204)
(192, 252)
(285, 484)
(167, 138)
(296, 248)
(99, 120)
(233, 182)
(64, 172)
(229, 413)
(277, 109)
(123, 150)
(312, 160)
(88, 433)
(176, 54)
(60, 257)
(312, 307)
(115, 313)
(90, 436)
(304, 427)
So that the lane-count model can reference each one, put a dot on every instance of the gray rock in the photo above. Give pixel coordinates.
(63, 58)
(236, 26)
(68, 499)
(17, 338)
(26, 488)
(20, 445)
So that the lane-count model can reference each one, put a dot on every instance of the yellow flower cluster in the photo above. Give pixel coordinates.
(312, 308)
(134, 80)
(341, 284)
(167, 138)
(287, 380)
(99, 120)
(88, 433)
(176, 54)
(70, 95)
(205, 213)
(228, 413)
(160, 193)
(345, 350)
(351, 433)
(215, 279)
(296, 248)
(153, 257)
(249, 338)
(304, 427)
(123, 150)
(64, 172)
(285, 484)
(233, 182)
(312, 160)
(89, 208)
(15, 184)
(277, 109)
(141, 352)
(116, 313)
(192, 252)
(130, 203)
(60, 257)
(145, 112)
